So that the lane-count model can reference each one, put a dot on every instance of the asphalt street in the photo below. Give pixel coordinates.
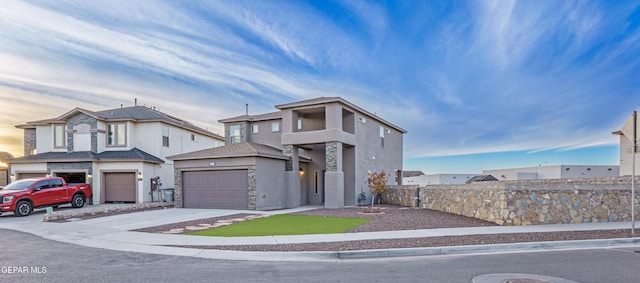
(29, 258)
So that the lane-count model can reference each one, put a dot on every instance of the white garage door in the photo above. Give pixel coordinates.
(228, 189)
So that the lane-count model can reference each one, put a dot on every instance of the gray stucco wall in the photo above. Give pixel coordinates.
(270, 180)
(264, 135)
(371, 156)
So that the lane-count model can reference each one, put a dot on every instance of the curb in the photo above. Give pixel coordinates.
(493, 248)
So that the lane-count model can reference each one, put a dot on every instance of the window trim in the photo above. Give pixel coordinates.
(233, 139)
(316, 182)
(165, 138)
(117, 134)
(63, 137)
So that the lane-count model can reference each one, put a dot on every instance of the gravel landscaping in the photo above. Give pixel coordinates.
(398, 218)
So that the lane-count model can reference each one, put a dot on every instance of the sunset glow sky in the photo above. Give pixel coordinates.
(477, 84)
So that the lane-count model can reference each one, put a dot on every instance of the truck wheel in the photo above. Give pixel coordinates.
(23, 208)
(77, 201)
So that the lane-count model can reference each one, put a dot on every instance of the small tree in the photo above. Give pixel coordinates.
(377, 182)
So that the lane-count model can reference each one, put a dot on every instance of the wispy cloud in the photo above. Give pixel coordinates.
(462, 78)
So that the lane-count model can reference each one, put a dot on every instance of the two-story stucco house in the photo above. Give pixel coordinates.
(317, 151)
(118, 151)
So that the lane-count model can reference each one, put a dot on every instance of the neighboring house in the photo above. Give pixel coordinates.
(626, 145)
(118, 151)
(4, 167)
(414, 178)
(481, 178)
(554, 172)
(316, 152)
(448, 179)
(420, 179)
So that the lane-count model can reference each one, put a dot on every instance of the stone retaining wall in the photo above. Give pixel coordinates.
(103, 210)
(526, 202)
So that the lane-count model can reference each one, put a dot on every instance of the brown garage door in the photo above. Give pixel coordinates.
(120, 187)
(31, 175)
(228, 189)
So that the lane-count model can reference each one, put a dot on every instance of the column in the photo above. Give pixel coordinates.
(292, 177)
(334, 176)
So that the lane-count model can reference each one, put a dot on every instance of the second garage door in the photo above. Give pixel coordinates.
(228, 189)
(120, 187)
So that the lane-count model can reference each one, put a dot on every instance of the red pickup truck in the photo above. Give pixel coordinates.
(24, 195)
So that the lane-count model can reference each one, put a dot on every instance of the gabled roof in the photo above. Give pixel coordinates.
(412, 173)
(133, 113)
(326, 100)
(134, 154)
(481, 178)
(260, 117)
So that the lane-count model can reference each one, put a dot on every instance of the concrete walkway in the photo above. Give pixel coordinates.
(112, 232)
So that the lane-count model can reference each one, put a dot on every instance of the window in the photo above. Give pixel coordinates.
(234, 133)
(116, 134)
(316, 183)
(165, 136)
(59, 140)
(275, 127)
(254, 128)
(381, 136)
(299, 124)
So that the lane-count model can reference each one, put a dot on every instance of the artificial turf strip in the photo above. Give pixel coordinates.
(285, 224)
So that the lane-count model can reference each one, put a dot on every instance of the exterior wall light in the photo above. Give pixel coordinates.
(140, 176)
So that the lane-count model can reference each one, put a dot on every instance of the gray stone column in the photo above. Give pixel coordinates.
(334, 176)
(292, 177)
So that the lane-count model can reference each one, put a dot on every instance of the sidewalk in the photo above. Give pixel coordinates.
(112, 232)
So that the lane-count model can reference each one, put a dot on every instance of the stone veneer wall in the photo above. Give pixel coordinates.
(527, 202)
(29, 141)
(252, 188)
(82, 119)
(177, 188)
(403, 195)
(331, 156)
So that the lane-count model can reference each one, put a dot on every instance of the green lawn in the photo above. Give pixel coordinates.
(285, 224)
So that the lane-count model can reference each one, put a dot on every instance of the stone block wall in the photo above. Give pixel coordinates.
(403, 195)
(528, 202)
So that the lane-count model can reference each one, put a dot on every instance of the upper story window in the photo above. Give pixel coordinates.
(382, 136)
(299, 124)
(275, 127)
(165, 136)
(117, 134)
(59, 140)
(254, 128)
(234, 133)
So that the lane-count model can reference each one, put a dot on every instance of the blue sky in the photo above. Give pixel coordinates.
(477, 84)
